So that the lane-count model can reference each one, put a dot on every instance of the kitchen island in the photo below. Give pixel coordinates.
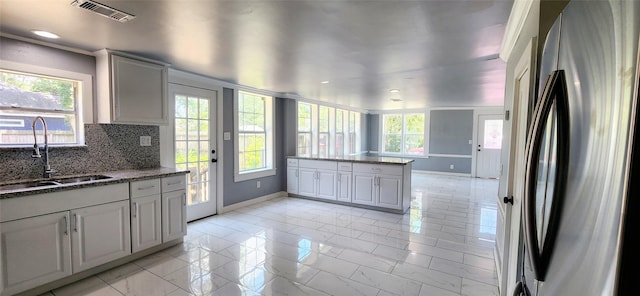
(380, 183)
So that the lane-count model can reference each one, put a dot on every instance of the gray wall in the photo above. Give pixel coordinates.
(39, 55)
(449, 133)
(235, 192)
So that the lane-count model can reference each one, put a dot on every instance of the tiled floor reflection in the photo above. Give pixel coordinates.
(288, 246)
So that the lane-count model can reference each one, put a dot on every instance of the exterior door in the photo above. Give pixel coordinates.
(194, 130)
(489, 146)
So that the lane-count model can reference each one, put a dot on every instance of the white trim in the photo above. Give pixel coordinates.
(84, 104)
(440, 173)
(323, 103)
(252, 201)
(515, 25)
(451, 155)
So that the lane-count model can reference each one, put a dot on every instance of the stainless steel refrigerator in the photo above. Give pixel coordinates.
(579, 153)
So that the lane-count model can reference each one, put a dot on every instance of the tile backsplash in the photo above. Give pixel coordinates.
(109, 147)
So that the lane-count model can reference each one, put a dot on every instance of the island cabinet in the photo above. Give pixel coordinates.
(378, 185)
(131, 89)
(367, 182)
(317, 178)
(292, 176)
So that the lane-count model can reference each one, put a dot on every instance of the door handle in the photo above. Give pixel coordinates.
(508, 200)
(214, 160)
(213, 151)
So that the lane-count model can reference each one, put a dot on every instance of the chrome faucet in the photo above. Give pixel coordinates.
(36, 149)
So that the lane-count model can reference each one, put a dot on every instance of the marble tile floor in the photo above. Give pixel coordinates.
(289, 246)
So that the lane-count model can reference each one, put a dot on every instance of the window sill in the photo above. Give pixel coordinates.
(254, 175)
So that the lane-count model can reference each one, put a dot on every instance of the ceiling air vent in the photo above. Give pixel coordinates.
(103, 10)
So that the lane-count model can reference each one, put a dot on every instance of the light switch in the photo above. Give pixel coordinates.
(470, 142)
(145, 140)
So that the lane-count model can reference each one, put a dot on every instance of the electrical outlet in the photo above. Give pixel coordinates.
(258, 184)
(145, 140)
(451, 167)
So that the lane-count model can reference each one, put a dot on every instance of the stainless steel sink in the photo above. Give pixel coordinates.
(82, 179)
(31, 184)
(54, 182)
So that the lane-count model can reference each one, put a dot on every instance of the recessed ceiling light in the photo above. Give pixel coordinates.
(394, 91)
(325, 82)
(45, 34)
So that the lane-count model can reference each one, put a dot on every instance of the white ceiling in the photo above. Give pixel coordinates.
(437, 53)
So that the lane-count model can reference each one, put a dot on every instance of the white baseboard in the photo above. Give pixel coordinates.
(440, 173)
(245, 203)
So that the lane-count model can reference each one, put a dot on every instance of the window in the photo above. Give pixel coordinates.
(340, 118)
(403, 133)
(25, 95)
(254, 136)
(326, 131)
(304, 129)
(324, 114)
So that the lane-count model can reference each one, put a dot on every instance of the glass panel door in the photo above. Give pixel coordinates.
(194, 131)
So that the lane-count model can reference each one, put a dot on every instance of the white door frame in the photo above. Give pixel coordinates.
(166, 132)
(525, 69)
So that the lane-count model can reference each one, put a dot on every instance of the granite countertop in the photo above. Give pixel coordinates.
(122, 176)
(360, 158)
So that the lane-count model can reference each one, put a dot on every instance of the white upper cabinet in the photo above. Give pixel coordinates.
(131, 90)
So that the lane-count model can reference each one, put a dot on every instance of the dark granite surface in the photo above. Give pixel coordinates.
(361, 158)
(108, 147)
(121, 176)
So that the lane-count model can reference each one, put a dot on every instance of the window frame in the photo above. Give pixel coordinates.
(403, 134)
(83, 100)
(351, 136)
(270, 141)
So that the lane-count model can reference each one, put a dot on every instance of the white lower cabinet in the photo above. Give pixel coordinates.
(34, 251)
(317, 179)
(174, 215)
(307, 182)
(389, 193)
(100, 234)
(364, 189)
(292, 180)
(146, 229)
(344, 187)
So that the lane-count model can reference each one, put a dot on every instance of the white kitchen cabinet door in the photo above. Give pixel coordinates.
(344, 187)
(174, 215)
(146, 226)
(389, 191)
(34, 251)
(326, 184)
(364, 189)
(292, 180)
(307, 182)
(100, 234)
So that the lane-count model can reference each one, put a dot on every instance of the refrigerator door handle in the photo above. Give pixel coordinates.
(554, 95)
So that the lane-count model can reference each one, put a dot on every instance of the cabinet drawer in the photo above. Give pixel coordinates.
(174, 183)
(318, 164)
(345, 166)
(292, 162)
(381, 169)
(144, 187)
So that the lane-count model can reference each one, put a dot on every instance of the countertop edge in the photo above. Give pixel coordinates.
(122, 176)
(366, 159)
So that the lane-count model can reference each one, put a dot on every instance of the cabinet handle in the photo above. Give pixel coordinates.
(148, 187)
(184, 198)
(66, 225)
(339, 177)
(174, 183)
(75, 222)
(135, 209)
